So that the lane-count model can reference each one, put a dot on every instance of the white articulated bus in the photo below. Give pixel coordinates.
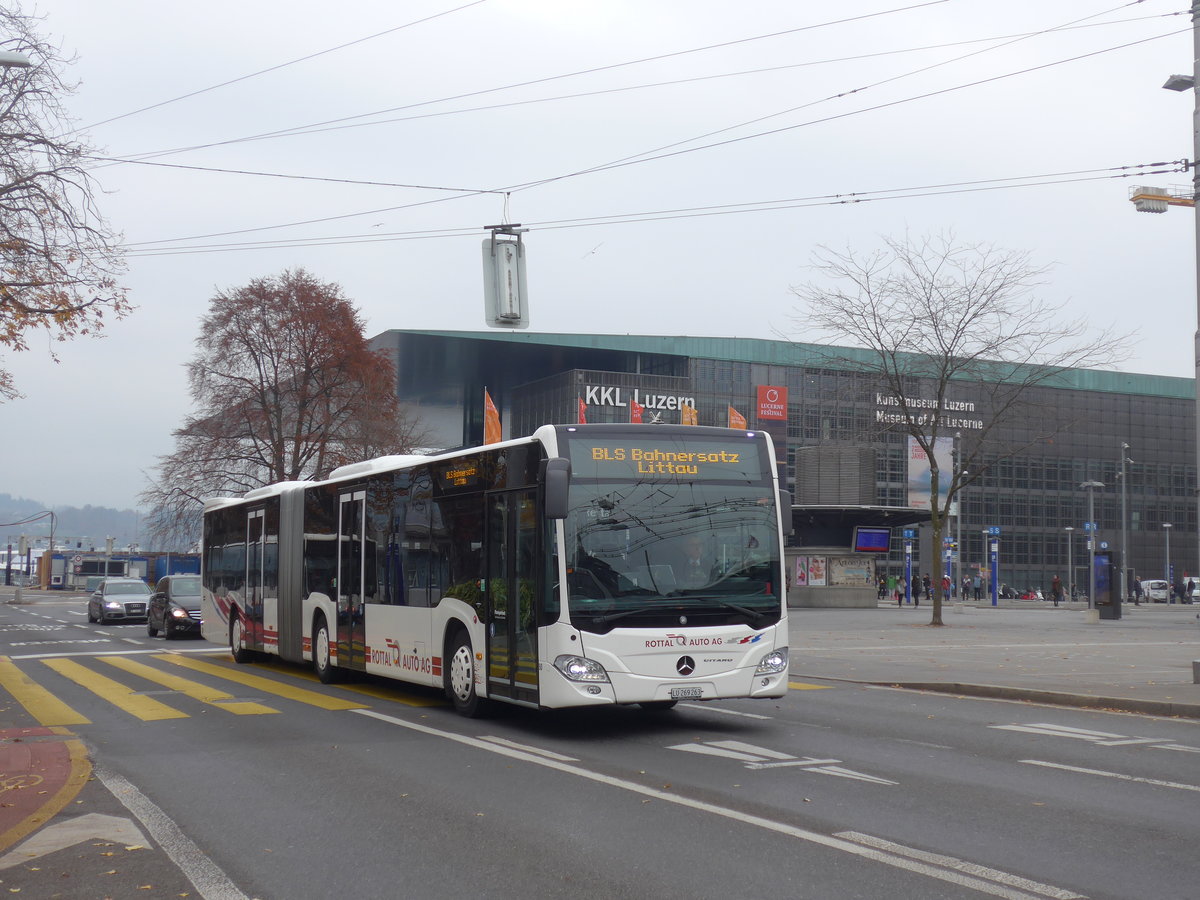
(585, 565)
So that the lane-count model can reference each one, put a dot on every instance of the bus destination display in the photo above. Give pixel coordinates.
(669, 460)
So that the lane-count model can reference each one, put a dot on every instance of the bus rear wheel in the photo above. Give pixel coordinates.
(237, 640)
(459, 678)
(326, 670)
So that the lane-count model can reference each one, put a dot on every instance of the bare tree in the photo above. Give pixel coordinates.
(59, 260)
(934, 316)
(285, 389)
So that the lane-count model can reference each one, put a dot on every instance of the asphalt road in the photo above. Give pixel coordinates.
(838, 790)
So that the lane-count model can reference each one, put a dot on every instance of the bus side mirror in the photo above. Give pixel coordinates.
(785, 511)
(557, 478)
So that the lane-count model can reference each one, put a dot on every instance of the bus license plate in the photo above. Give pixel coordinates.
(686, 693)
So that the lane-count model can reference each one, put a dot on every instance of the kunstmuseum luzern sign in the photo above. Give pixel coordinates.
(710, 460)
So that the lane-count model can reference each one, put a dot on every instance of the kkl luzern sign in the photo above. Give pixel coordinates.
(596, 395)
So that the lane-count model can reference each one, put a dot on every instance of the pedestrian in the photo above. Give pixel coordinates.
(945, 587)
(926, 587)
(882, 587)
(977, 587)
(1137, 592)
(1056, 589)
(1190, 590)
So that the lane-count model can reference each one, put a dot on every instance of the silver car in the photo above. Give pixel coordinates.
(119, 600)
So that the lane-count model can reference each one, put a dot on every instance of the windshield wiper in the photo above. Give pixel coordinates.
(754, 615)
(613, 617)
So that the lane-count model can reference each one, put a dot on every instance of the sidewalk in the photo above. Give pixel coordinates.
(1141, 662)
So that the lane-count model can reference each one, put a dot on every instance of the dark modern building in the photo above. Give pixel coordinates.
(841, 453)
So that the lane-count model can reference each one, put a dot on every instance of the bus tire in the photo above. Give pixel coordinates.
(326, 670)
(658, 705)
(237, 639)
(459, 677)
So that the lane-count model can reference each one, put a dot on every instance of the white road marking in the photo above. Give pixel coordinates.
(708, 707)
(951, 862)
(69, 832)
(755, 757)
(210, 881)
(1099, 738)
(835, 843)
(1155, 781)
(549, 754)
(751, 748)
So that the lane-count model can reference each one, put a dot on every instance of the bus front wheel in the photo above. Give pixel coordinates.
(326, 670)
(460, 678)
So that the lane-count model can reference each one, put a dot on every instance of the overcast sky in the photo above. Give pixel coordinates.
(1004, 122)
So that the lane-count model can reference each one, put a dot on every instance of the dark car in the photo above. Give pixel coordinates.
(174, 606)
(119, 600)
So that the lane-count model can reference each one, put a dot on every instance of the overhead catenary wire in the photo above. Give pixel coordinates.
(283, 65)
(839, 199)
(637, 160)
(590, 71)
(300, 131)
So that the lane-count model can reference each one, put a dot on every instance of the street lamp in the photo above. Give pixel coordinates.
(1186, 83)
(13, 60)
(1090, 487)
(1070, 529)
(1124, 519)
(1170, 583)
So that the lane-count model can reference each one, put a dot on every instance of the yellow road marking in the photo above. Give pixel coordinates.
(145, 708)
(192, 689)
(266, 685)
(803, 686)
(38, 702)
(374, 691)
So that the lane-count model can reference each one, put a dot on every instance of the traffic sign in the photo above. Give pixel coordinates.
(994, 530)
(910, 533)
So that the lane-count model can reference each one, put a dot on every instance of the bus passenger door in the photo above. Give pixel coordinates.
(252, 600)
(351, 611)
(512, 591)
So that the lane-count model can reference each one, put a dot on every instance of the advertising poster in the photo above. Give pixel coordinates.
(920, 472)
(851, 571)
(800, 578)
(816, 571)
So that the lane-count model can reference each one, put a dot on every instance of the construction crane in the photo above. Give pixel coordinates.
(1157, 199)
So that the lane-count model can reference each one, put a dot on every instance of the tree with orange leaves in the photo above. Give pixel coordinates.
(285, 388)
(60, 263)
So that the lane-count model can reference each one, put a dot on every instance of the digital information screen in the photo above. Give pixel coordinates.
(640, 459)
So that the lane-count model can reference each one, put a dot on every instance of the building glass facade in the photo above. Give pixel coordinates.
(1043, 446)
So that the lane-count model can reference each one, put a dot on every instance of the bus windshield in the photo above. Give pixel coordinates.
(661, 553)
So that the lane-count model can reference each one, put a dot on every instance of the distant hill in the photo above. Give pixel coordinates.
(86, 527)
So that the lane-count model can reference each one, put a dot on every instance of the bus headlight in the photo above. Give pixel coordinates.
(580, 668)
(773, 663)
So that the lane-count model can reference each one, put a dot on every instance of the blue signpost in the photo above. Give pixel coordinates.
(993, 539)
(909, 534)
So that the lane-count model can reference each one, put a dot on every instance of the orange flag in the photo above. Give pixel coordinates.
(491, 420)
(582, 411)
(736, 419)
(635, 411)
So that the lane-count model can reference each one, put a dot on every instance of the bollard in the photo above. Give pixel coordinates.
(18, 597)
(1196, 671)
